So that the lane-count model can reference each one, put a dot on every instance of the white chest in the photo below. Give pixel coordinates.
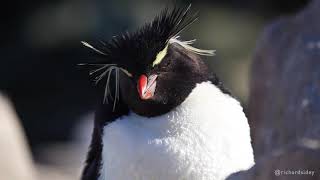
(205, 138)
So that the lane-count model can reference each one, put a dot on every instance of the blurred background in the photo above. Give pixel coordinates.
(54, 99)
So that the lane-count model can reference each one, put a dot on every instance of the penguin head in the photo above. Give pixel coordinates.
(151, 70)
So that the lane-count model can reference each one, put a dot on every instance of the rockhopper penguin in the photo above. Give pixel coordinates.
(164, 116)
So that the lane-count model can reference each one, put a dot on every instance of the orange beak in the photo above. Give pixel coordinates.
(147, 86)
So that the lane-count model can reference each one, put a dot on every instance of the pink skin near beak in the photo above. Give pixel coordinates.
(146, 86)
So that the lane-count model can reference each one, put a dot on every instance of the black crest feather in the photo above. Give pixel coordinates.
(143, 45)
(133, 52)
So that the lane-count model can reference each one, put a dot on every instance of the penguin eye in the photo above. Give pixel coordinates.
(160, 56)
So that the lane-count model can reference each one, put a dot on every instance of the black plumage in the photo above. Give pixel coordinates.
(134, 51)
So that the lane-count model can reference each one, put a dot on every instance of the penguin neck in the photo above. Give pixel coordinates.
(194, 110)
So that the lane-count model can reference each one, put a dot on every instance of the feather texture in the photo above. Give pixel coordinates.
(139, 49)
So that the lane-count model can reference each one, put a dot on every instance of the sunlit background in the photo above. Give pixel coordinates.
(54, 99)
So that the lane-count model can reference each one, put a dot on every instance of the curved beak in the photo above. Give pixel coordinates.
(147, 86)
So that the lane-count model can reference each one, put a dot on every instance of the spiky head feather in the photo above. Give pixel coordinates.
(143, 45)
(141, 49)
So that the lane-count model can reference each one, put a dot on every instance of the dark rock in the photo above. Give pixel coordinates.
(285, 88)
(293, 163)
(284, 106)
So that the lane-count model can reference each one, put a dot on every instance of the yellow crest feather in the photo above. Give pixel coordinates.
(160, 56)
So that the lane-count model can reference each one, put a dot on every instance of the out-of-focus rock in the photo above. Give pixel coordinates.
(296, 162)
(285, 90)
(284, 106)
(15, 158)
(52, 173)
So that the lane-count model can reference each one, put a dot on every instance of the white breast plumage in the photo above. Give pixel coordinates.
(207, 137)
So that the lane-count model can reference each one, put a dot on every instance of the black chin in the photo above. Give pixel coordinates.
(148, 108)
